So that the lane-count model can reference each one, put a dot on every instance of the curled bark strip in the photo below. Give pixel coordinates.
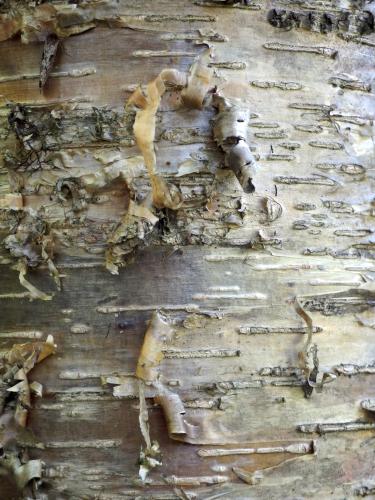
(230, 133)
(15, 401)
(309, 357)
(147, 371)
(29, 354)
(199, 82)
(35, 293)
(174, 410)
(273, 208)
(143, 416)
(307, 319)
(23, 473)
(144, 131)
(46, 252)
(195, 88)
(149, 457)
(22, 389)
(151, 352)
(195, 429)
(32, 243)
(51, 45)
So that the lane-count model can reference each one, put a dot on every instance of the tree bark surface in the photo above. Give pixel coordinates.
(265, 290)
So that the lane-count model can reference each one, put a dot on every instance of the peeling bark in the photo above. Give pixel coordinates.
(231, 201)
(230, 131)
(15, 403)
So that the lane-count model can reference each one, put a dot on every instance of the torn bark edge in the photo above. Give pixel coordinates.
(15, 201)
(44, 20)
(150, 457)
(51, 45)
(368, 404)
(34, 292)
(47, 244)
(230, 133)
(195, 87)
(257, 476)
(11, 201)
(136, 215)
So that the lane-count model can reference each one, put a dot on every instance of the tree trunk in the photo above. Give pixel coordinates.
(213, 309)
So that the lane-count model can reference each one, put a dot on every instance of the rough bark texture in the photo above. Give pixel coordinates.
(255, 289)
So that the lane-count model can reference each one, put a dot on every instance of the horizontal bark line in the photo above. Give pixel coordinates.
(26, 334)
(256, 330)
(285, 47)
(303, 448)
(72, 72)
(323, 428)
(201, 353)
(98, 443)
